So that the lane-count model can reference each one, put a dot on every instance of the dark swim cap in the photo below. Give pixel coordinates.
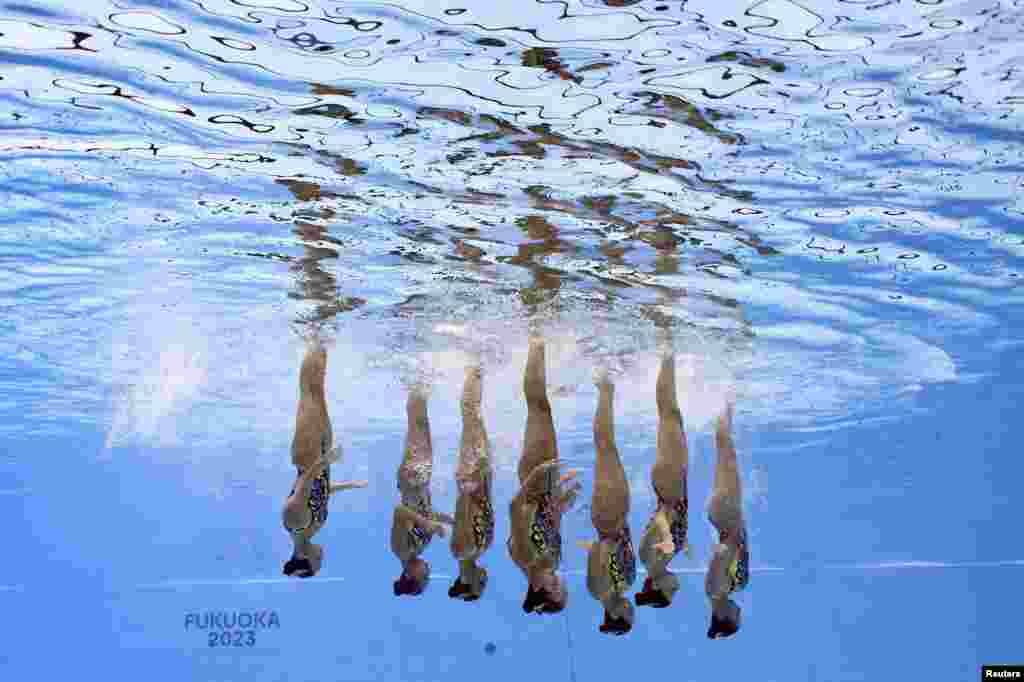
(614, 626)
(409, 585)
(296, 565)
(534, 601)
(722, 628)
(460, 590)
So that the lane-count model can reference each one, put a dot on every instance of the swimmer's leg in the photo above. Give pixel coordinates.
(419, 451)
(539, 443)
(668, 476)
(610, 504)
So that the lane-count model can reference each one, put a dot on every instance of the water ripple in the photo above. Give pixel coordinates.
(829, 198)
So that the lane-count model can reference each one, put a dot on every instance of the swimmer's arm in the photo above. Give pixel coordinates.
(306, 478)
(333, 456)
(399, 535)
(661, 522)
(512, 544)
(410, 516)
(568, 496)
(441, 517)
(348, 485)
(463, 536)
(295, 514)
(521, 513)
(541, 470)
(305, 482)
(598, 583)
(548, 470)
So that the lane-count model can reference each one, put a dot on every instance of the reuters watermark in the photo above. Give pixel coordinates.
(234, 629)
(1002, 672)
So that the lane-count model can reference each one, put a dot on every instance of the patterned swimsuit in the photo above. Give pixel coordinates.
(483, 521)
(416, 495)
(622, 562)
(544, 532)
(319, 494)
(677, 527)
(739, 571)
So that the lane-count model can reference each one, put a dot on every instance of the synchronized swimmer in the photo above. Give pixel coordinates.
(546, 492)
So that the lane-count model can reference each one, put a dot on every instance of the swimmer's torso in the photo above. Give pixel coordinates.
(621, 561)
(474, 515)
(726, 515)
(536, 525)
(545, 533)
(316, 503)
(414, 487)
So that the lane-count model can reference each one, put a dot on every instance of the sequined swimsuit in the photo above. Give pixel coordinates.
(319, 494)
(677, 527)
(416, 495)
(622, 562)
(476, 487)
(544, 532)
(483, 521)
(740, 575)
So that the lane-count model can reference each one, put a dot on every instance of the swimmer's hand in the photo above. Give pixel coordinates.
(441, 517)
(569, 475)
(568, 498)
(334, 456)
(349, 485)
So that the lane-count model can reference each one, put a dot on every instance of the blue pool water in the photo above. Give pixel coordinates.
(824, 201)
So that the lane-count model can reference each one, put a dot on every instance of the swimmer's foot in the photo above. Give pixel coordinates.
(725, 419)
(602, 378)
(419, 389)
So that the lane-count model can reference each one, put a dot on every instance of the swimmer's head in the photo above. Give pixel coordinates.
(473, 587)
(618, 616)
(549, 595)
(414, 578)
(305, 563)
(725, 619)
(658, 592)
